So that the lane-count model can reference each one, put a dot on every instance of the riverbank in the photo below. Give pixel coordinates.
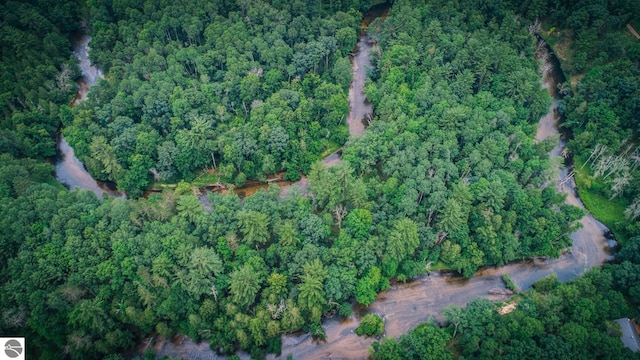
(609, 211)
(447, 171)
(360, 114)
(69, 170)
(210, 180)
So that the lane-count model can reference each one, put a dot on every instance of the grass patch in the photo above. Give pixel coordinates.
(439, 266)
(157, 185)
(53, 182)
(561, 41)
(331, 148)
(609, 212)
(207, 178)
(509, 283)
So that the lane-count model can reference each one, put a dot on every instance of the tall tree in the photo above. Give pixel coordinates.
(254, 227)
(244, 285)
(403, 239)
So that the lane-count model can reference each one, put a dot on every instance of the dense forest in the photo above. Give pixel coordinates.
(37, 73)
(602, 111)
(553, 320)
(451, 146)
(600, 57)
(250, 89)
(447, 175)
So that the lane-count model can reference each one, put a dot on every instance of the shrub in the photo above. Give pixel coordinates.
(371, 325)
(345, 310)
(509, 283)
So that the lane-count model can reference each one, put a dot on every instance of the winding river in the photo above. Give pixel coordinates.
(72, 173)
(69, 170)
(407, 305)
(361, 110)
(404, 306)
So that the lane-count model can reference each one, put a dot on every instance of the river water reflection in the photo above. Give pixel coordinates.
(69, 170)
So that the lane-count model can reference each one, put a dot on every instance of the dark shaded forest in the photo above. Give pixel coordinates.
(447, 175)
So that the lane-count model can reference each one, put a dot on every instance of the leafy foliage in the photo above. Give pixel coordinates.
(38, 73)
(370, 325)
(602, 113)
(449, 157)
(427, 341)
(602, 59)
(247, 88)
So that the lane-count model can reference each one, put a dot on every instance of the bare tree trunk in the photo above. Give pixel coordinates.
(340, 212)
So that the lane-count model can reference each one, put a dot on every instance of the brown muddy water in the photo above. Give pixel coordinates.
(361, 109)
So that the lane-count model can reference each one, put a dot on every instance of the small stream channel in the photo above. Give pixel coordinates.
(69, 170)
